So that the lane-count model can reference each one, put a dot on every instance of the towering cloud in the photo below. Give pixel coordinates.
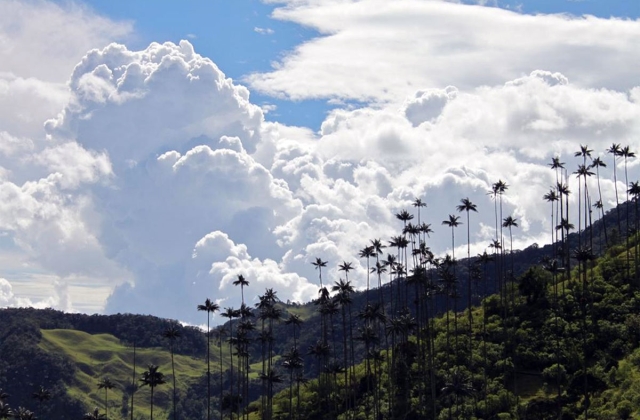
(157, 181)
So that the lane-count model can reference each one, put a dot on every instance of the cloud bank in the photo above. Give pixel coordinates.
(157, 181)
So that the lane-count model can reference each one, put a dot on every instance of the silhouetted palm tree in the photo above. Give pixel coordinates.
(209, 307)
(615, 151)
(152, 378)
(23, 414)
(5, 410)
(367, 252)
(133, 387)
(231, 314)
(552, 197)
(458, 386)
(292, 361)
(242, 282)
(467, 205)
(172, 334)
(93, 415)
(106, 384)
(41, 395)
(318, 264)
(598, 163)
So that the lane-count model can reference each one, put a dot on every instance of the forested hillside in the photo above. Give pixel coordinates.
(545, 333)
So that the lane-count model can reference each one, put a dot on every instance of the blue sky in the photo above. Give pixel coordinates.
(226, 32)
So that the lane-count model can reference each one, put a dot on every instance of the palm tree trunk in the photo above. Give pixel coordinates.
(133, 382)
(208, 368)
(173, 369)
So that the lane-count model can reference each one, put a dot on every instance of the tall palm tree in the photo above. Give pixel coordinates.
(552, 197)
(634, 190)
(295, 321)
(172, 334)
(133, 387)
(221, 332)
(231, 314)
(467, 205)
(453, 222)
(404, 216)
(615, 151)
(152, 378)
(106, 384)
(367, 252)
(511, 222)
(598, 163)
(23, 414)
(563, 191)
(93, 415)
(41, 395)
(318, 264)
(626, 153)
(377, 246)
(418, 203)
(5, 410)
(343, 298)
(242, 282)
(292, 361)
(584, 172)
(209, 307)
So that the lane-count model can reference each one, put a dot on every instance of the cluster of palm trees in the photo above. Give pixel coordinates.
(41, 395)
(395, 326)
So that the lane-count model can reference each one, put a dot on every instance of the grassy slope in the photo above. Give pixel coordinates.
(97, 356)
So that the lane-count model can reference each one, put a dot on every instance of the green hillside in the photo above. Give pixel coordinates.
(102, 355)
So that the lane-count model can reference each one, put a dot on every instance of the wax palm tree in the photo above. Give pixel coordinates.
(453, 222)
(584, 172)
(598, 163)
(172, 333)
(404, 216)
(93, 415)
(458, 386)
(271, 377)
(242, 282)
(510, 222)
(467, 206)
(552, 197)
(152, 378)
(615, 151)
(318, 264)
(295, 321)
(292, 361)
(133, 386)
(23, 414)
(367, 252)
(42, 395)
(634, 190)
(585, 152)
(377, 246)
(418, 203)
(5, 410)
(106, 384)
(209, 307)
(221, 332)
(231, 313)
(343, 298)
(563, 191)
(626, 153)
